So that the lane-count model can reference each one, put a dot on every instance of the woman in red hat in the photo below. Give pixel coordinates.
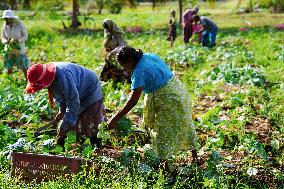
(78, 92)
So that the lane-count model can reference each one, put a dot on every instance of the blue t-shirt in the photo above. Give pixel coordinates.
(207, 23)
(150, 72)
(75, 88)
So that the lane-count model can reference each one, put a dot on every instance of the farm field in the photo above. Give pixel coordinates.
(236, 88)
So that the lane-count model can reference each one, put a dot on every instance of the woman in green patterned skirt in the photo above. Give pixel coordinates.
(13, 36)
(167, 110)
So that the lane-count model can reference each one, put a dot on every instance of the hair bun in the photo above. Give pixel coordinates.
(125, 52)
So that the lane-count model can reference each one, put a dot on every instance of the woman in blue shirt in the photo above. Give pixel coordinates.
(167, 110)
(78, 92)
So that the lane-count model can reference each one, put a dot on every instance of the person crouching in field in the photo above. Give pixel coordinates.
(114, 38)
(13, 36)
(209, 30)
(172, 28)
(78, 92)
(167, 110)
(195, 28)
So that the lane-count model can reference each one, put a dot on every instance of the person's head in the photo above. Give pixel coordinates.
(111, 27)
(173, 13)
(9, 17)
(40, 76)
(195, 9)
(195, 18)
(128, 57)
(108, 24)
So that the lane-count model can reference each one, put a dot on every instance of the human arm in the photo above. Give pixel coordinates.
(107, 41)
(72, 103)
(24, 34)
(204, 26)
(183, 21)
(131, 102)
(71, 113)
(111, 53)
(171, 22)
(199, 31)
(4, 37)
(108, 54)
(120, 43)
(187, 18)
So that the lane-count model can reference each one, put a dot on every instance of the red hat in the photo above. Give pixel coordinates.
(40, 76)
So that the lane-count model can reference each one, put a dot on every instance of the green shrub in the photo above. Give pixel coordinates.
(114, 7)
(278, 4)
(49, 5)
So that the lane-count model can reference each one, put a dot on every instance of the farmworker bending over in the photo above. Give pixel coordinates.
(13, 36)
(195, 28)
(78, 92)
(114, 38)
(167, 108)
(187, 23)
(209, 30)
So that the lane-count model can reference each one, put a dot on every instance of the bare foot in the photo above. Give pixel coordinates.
(196, 159)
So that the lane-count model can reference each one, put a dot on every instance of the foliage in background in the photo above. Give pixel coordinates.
(275, 5)
(237, 97)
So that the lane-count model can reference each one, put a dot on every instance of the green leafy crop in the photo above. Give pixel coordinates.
(124, 126)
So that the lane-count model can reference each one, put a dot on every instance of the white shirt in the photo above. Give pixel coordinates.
(17, 32)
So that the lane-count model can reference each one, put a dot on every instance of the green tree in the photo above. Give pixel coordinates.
(180, 7)
(154, 3)
(100, 5)
(13, 4)
(26, 4)
(114, 6)
(4, 4)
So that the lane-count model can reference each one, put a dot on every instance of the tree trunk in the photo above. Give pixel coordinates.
(75, 23)
(13, 4)
(27, 4)
(154, 4)
(100, 6)
(180, 10)
(250, 5)
(132, 3)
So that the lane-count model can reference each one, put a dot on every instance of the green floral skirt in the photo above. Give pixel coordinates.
(13, 59)
(167, 114)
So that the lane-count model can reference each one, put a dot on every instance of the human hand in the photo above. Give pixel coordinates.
(13, 41)
(108, 56)
(107, 49)
(6, 41)
(195, 157)
(61, 136)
